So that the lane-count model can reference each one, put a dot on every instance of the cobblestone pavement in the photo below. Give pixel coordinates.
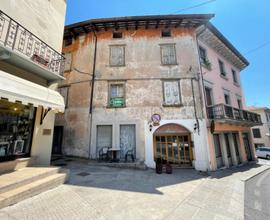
(96, 192)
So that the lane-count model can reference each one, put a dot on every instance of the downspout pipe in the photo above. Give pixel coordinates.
(92, 93)
(204, 103)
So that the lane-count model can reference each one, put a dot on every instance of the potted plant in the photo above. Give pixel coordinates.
(159, 166)
(168, 168)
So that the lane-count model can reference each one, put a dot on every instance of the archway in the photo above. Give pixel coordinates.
(172, 143)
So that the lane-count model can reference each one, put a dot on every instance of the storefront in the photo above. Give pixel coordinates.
(27, 112)
(16, 129)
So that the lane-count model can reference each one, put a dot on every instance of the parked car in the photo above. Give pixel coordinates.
(263, 152)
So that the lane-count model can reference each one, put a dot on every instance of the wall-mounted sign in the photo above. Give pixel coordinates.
(155, 119)
(47, 131)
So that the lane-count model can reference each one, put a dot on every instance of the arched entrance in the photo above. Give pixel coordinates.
(172, 142)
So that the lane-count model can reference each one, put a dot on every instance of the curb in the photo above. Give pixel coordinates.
(265, 168)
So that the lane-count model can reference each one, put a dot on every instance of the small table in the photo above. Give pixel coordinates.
(114, 154)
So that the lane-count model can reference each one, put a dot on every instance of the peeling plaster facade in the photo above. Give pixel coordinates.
(143, 75)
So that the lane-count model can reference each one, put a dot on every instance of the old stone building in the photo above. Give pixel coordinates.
(134, 85)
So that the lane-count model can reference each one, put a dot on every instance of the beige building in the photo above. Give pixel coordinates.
(261, 134)
(31, 64)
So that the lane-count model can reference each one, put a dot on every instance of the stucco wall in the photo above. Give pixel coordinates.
(142, 74)
(42, 143)
(220, 83)
(264, 128)
(44, 18)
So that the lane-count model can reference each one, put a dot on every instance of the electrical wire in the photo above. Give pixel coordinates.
(195, 6)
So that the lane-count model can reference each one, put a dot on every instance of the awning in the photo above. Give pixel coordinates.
(16, 89)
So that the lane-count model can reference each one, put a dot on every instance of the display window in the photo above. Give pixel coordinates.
(16, 129)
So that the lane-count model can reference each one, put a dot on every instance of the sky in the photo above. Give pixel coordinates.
(245, 23)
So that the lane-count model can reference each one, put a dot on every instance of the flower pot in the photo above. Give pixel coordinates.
(168, 168)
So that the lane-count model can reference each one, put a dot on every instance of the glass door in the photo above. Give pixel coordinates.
(174, 149)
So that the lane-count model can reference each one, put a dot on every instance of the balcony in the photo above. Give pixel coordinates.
(228, 114)
(21, 48)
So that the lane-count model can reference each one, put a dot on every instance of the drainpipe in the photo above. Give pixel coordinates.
(204, 104)
(92, 93)
(201, 85)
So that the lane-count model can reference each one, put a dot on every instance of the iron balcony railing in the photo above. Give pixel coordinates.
(17, 38)
(222, 111)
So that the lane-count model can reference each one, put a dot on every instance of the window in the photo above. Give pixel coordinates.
(235, 80)
(171, 93)
(166, 33)
(117, 34)
(239, 103)
(256, 133)
(209, 97)
(16, 129)
(117, 55)
(221, 68)
(117, 95)
(67, 41)
(168, 54)
(203, 56)
(64, 92)
(68, 60)
(227, 99)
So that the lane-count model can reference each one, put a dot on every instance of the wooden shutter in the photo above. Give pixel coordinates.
(171, 93)
(117, 55)
(168, 54)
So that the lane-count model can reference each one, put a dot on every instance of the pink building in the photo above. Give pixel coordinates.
(230, 140)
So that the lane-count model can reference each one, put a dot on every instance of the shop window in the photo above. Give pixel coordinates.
(16, 129)
(116, 95)
(256, 133)
(117, 55)
(168, 54)
(171, 93)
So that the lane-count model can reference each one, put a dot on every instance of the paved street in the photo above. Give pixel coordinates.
(96, 192)
(257, 195)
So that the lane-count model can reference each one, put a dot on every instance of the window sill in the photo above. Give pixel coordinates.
(172, 64)
(224, 77)
(110, 65)
(108, 106)
(206, 66)
(176, 105)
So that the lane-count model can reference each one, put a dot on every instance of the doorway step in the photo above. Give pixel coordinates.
(29, 181)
